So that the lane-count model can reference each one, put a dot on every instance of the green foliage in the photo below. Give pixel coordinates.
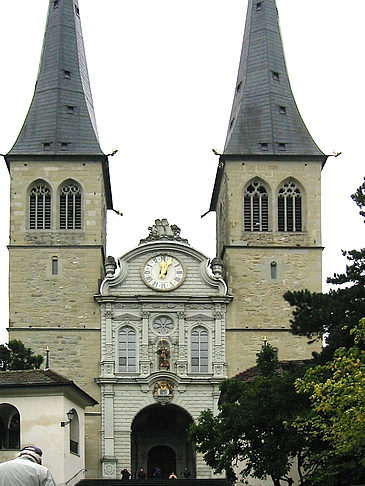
(267, 361)
(253, 424)
(337, 394)
(15, 356)
(336, 313)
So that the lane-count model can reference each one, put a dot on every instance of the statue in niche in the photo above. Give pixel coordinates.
(163, 356)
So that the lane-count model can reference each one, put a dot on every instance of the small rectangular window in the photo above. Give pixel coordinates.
(274, 270)
(77, 10)
(55, 3)
(70, 109)
(264, 147)
(258, 6)
(275, 76)
(282, 147)
(67, 74)
(239, 86)
(55, 266)
(46, 146)
(64, 146)
(282, 110)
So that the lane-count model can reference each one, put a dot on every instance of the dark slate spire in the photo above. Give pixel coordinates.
(265, 119)
(61, 119)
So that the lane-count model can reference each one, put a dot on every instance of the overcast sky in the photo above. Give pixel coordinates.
(163, 74)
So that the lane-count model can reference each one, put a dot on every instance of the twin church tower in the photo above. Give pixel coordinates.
(107, 329)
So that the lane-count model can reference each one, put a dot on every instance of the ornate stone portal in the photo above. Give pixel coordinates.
(163, 343)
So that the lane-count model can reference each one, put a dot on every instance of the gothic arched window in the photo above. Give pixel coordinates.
(199, 350)
(256, 207)
(40, 207)
(289, 207)
(70, 206)
(127, 347)
(9, 427)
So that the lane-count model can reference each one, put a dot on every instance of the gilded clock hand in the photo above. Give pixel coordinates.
(164, 266)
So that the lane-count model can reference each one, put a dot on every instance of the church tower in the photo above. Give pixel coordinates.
(60, 191)
(267, 198)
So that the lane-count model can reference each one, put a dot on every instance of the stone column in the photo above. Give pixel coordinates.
(219, 355)
(109, 461)
(182, 364)
(107, 355)
(145, 365)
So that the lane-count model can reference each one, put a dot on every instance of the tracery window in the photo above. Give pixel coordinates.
(70, 206)
(289, 207)
(127, 350)
(40, 207)
(9, 427)
(199, 350)
(256, 207)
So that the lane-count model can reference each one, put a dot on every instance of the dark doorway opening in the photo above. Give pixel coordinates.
(162, 457)
(160, 438)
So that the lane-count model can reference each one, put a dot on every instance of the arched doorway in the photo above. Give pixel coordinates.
(162, 457)
(160, 438)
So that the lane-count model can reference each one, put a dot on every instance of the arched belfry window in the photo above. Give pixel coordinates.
(199, 350)
(127, 348)
(290, 207)
(40, 207)
(70, 206)
(256, 207)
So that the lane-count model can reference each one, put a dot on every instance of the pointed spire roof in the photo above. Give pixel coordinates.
(61, 118)
(265, 119)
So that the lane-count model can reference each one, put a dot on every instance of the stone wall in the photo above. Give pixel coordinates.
(261, 266)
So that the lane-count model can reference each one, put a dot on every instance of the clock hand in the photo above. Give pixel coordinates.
(164, 266)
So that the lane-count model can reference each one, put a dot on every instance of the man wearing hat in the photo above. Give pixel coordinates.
(26, 470)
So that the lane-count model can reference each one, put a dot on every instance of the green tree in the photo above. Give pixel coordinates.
(15, 356)
(253, 424)
(333, 314)
(337, 394)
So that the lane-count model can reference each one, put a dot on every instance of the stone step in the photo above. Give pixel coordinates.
(155, 482)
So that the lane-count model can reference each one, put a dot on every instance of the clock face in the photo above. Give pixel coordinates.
(163, 273)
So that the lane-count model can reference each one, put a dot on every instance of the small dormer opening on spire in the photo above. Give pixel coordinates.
(275, 76)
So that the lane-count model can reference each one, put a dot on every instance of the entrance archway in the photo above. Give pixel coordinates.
(160, 438)
(162, 457)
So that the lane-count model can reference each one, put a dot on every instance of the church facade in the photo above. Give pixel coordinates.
(151, 335)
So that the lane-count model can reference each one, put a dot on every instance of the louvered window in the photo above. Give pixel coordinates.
(256, 208)
(40, 207)
(290, 207)
(127, 350)
(70, 207)
(199, 350)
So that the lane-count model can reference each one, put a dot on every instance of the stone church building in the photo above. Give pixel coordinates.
(151, 334)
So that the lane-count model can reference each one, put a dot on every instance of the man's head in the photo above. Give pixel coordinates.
(32, 453)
